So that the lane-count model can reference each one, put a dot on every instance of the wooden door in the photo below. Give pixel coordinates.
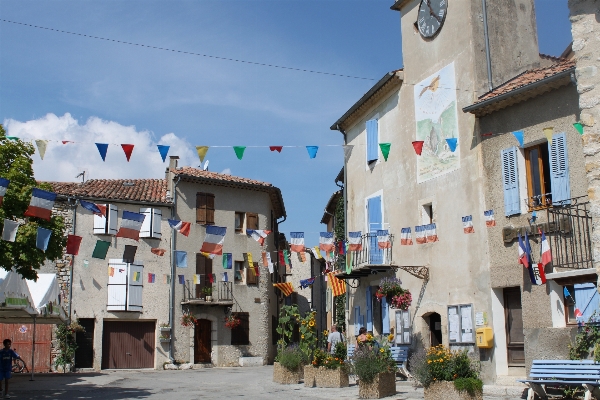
(128, 345)
(21, 336)
(202, 341)
(84, 355)
(513, 317)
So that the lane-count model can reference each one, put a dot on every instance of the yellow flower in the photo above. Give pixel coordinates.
(302, 336)
(381, 350)
(428, 361)
(325, 332)
(311, 323)
(369, 337)
(391, 337)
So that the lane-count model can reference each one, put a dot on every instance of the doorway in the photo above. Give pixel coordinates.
(202, 341)
(128, 344)
(84, 355)
(434, 321)
(513, 317)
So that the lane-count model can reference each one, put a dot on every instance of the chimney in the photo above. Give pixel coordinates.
(170, 175)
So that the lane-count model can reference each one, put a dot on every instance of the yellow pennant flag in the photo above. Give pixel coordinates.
(250, 263)
(41, 145)
(196, 279)
(548, 132)
(318, 253)
(202, 150)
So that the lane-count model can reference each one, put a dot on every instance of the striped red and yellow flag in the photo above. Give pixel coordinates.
(286, 288)
(338, 286)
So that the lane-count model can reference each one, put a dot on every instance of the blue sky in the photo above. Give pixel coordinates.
(54, 85)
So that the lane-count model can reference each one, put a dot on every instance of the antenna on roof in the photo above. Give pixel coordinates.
(205, 168)
(82, 175)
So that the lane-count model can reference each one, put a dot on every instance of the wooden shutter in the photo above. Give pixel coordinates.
(357, 320)
(117, 286)
(156, 223)
(385, 317)
(210, 209)
(145, 231)
(201, 208)
(403, 329)
(369, 309)
(113, 219)
(241, 335)
(559, 170)
(587, 300)
(251, 221)
(510, 180)
(204, 269)
(251, 277)
(372, 140)
(134, 288)
(328, 299)
(100, 222)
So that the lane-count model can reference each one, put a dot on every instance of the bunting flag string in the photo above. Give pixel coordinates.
(519, 136)
(489, 218)
(102, 149)
(468, 224)
(548, 132)
(41, 145)
(159, 252)
(9, 230)
(355, 241)
(41, 204)
(201, 150)
(297, 241)
(180, 226)
(383, 239)
(73, 244)
(385, 150)
(452, 142)
(163, 150)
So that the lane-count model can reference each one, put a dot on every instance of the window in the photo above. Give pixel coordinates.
(427, 214)
(124, 286)
(240, 335)
(510, 181)
(372, 141)
(151, 227)
(240, 217)
(251, 221)
(239, 269)
(205, 208)
(204, 269)
(582, 302)
(251, 276)
(537, 168)
(106, 224)
(569, 304)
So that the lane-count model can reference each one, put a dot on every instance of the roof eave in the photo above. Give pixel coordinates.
(63, 196)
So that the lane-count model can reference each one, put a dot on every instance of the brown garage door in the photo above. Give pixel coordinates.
(128, 344)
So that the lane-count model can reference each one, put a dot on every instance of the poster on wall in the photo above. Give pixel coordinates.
(437, 120)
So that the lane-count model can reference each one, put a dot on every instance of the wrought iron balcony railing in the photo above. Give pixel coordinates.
(221, 292)
(371, 254)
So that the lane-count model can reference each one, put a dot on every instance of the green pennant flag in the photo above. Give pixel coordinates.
(239, 151)
(579, 127)
(101, 249)
(286, 257)
(12, 138)
(348, 262)
(385, 149)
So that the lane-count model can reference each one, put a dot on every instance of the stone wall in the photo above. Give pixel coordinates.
(585, 15)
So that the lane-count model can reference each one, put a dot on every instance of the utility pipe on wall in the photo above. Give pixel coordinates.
(173, 271)
(487, 46)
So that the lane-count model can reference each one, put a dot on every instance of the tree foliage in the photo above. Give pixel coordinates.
(22, 255)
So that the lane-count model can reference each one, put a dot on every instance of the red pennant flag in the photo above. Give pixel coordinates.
(256, 269)
(127, 148)
(73, 243)
(276, 148)
(211, 278)
(157, 251)
(66, 141)
(281, 258)
(418, 145)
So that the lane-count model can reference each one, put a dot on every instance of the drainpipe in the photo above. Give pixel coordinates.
(172, 288)
(347, 311)
(73, 203)
(487, 46)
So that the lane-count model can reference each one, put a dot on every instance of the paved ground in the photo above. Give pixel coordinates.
(209, 383)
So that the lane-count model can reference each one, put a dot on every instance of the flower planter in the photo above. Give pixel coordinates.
(446, 391)
(310, 375)
(332, 378)
(285, 376)
(383, 385)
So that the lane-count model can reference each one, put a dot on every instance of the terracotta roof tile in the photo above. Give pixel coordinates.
(198, 173)
(142, 190)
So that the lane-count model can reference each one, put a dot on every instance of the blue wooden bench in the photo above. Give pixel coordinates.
(400, 356)
(350, 351)
(549, 373)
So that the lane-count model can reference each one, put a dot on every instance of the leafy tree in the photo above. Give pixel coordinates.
(23, 255)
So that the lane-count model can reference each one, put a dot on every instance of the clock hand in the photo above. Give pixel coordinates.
(431, 11)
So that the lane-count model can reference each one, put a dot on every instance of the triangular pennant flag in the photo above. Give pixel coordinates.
(163, 150)
(12, 138)
(201, 150)
(519, 136)
(548, 133)
(41, 145)
(128, 149)
(312, 151)
(385, 149)
(102, 148)
(66, 141)
(418, 145)
(157, 251)
(347, 151)
(239, 151)
(452, 142)
(577, 125)
(276, 148)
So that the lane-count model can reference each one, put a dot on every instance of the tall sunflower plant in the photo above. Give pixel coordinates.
(308, 334)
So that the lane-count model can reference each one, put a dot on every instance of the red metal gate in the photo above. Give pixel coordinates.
(21, 336)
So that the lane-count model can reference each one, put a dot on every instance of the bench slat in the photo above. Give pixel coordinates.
(569, 367)
(549, 382)
(565, 372)
(566, 362)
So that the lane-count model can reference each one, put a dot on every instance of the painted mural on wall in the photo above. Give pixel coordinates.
(437, 120)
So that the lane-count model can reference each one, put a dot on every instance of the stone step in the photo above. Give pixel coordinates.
(508, 392)
(509, 380)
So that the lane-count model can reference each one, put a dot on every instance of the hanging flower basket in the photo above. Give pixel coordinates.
(396, 296)
(401, 301)
(188, 320)
(232, 322)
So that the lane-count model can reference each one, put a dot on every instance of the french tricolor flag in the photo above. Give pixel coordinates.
(95, 208)
(297, 241)
(355, 241)
(258, 234)
(180, 226)
(326, 242)
(468, 224)
(489, 218)
(538, 274)
(406, 237)
(213, 242)
(383, 239)
(546, 253)
(3, 186)
(41, 204)
(420, 231)
(131, 223)
(523, 256)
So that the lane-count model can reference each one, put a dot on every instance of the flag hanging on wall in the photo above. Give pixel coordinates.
(41, 204)
(196, 279)
(383, 239)
(489, 218)
(421, 234)
(539, 275)
(341, 247)
(180, 226)
(214, 239)
(302, 256)
(264, 259)
(523, 256)
(111, 271)
(297, 241)
(227, 260)
(317, 252)
(73, 243)
(249, 258)
(9, 231)
(406, 237)
(468, 224)
(355, 241)
(338, 286)
(326, 241)
(3, 186)
(431, 233)
(286, 288)
(43, 238)
(157, 251)
(151, 278)
(180, 258)
(281, 258)
(166, 278)
(136, 276)
(258, 234)
(131, 223)
(286, 257)
(225, 277)
(129, 253)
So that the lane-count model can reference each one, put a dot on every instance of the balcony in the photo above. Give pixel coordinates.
(371, 259)
(222, 295)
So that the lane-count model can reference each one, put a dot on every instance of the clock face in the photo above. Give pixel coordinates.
(431, 17)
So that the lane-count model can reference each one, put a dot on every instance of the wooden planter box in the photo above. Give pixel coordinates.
(445, 390)
(382, 386)
(332, 378)
(285, 376)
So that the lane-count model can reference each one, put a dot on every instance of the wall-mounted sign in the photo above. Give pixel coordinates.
(510, 233)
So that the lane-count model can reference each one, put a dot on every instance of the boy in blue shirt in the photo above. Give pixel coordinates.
(6, 359)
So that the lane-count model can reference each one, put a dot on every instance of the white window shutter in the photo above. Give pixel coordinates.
(156, 223)
(135, 287)
(145, 232)
(328, 298)
(403, 328)
(100, 223)
(559, 170)
(113, 219)
(510, 178)
(117, 285)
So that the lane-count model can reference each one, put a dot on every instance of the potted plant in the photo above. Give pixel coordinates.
(188, 319)
(329, 370)
(165, 327)
(396, 296)
(287, 368)
(375, 369)
(232, 322)
(164, 338)
(447, 374)
(207, 290)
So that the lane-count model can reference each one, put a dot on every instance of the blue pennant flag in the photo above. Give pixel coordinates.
(312, 151)
(102, 148)
(163, 150)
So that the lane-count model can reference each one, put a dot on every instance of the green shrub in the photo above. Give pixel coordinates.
(291, 358)
(441, 364)
(586, 340)
(340, 350)
(472, 386)
(368, 362)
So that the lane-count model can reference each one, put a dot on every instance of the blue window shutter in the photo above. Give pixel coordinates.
(385, 317)
(559, 170)
(369, 310)
(375, 223)
(587, 299)
(510, 181)
(357, 320)
(372, 140)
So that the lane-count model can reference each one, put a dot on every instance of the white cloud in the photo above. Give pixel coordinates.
(62, 162)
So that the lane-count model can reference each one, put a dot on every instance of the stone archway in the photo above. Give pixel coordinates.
(213, 337)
